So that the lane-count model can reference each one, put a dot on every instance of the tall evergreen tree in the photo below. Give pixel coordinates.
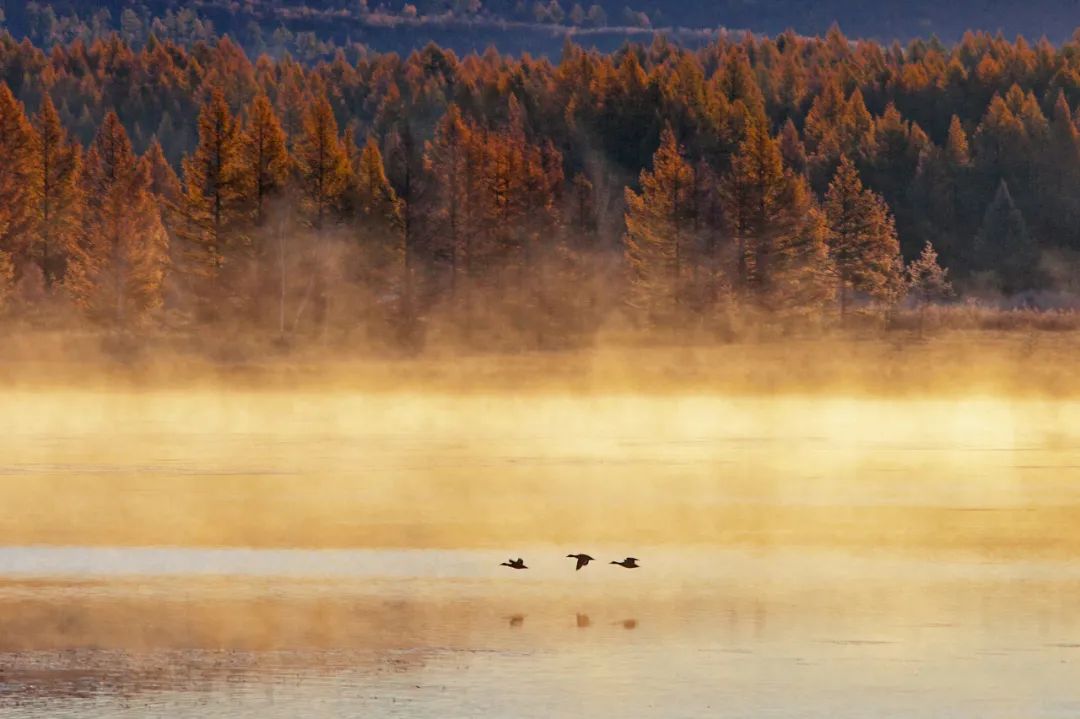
(862, 239)
(116, 274)
(322, 162)
(753, 200)
(1005, 247)
(660, 238)
(56, 194)
(213, 219)
(791, 147)
(16, 187)
(376, 200)
(263, 163)
(957, 148)
(379, 217)
(451, 163)
(781, 259)
(164, 183)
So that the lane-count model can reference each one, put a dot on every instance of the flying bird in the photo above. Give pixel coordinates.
(629, 563)
(582, 560)
(518, 563)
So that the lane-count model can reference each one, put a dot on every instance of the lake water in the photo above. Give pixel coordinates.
(228, 554)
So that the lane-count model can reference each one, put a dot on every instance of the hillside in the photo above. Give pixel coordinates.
(518, 25)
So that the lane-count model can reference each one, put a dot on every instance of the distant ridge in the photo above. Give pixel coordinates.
(537, 27)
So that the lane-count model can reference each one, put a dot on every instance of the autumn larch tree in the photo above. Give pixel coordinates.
(862, 239)
(116, 273)
(753, 192)
(792, 148)
(164, 182)
(263, 163)
(956, 146)
(16, 185)
(801, 269)
(56, 194)
(780, 257)
(448, 159)
(168, 193)
(660, 241)
(523, 181)
(263, 168)
(214, 224)
(379, 216)
(321, 162)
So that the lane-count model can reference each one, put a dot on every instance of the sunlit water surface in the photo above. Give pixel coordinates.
(801, 557)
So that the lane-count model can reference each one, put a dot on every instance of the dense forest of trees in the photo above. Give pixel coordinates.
(803, 179)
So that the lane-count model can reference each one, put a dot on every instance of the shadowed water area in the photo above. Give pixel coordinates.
(229, 554)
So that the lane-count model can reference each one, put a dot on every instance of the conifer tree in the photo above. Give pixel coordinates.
(16, 185)
(781, 258)
(168, 193)
(213, 223)
(1058, 176)
(164, 183)
(862, 239)
(791, 147)
(1001, 140)
(660, 240)
(379, 215)
(116, 274)
(824, 121)
(735, 79)
(322, 163)
(927, 281)
(55, 194)
(753, 196)
(857, 127)
(956, 146)
(263, 159)
(449, 160)
(801, 270)
(376, 201)
(1005, 247)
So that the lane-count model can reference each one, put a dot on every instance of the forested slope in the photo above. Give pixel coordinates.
(788, 176)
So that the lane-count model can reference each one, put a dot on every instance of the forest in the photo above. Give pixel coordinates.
(789, 182)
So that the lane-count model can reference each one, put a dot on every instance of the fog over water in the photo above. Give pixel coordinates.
(222, 552)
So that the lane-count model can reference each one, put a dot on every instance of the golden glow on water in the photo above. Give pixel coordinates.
(210, 467)
(834, 555)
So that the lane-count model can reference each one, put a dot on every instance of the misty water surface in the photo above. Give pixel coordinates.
(231, 554)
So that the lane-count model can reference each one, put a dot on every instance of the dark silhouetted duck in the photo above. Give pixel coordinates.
(583, 621)
(629, 563)
(518, 563)
(582, 560)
